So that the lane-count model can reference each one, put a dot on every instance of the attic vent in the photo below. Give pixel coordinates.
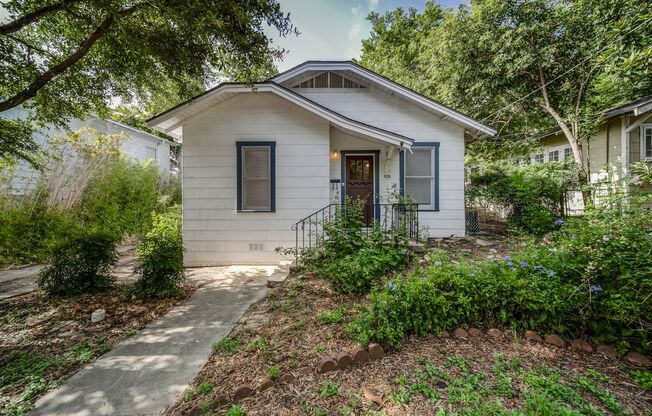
(328, 80)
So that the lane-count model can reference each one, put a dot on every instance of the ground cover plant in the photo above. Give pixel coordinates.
(592, 277)
(44, 340)
(480, 376)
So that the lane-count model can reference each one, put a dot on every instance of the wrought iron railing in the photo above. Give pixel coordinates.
(310, 232)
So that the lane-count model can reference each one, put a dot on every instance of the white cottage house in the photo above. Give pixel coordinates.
(259, 158)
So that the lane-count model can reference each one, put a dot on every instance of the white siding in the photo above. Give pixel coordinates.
(380, 109)
(214, 232)
(136, 145)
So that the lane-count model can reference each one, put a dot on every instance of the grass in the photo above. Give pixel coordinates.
(236, 410)
(330, 389)
(274, 372)
(227, 346)
(545, 390)
(336, 316)
(29, 372)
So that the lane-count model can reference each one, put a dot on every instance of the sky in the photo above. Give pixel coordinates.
(334, 29)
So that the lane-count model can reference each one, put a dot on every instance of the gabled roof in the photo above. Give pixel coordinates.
(143, 132)
(638, 107)
(399, 89)
(171, 120)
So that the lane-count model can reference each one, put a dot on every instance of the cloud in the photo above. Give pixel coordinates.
(359, 14)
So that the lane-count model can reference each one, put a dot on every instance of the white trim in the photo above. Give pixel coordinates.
(150, 135)
(624, 145)
(403, 91)
(432, 177)
(643, 109)
(643, 155)
(637, 123)
(337, 119)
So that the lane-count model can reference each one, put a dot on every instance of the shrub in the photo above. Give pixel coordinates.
(121, 197)
(28, 228)
(80, 263)
(531, 195)
(159, 257)
(352, 258)
(593, 277)
(447, 294)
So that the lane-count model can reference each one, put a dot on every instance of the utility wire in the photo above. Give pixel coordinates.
(569, 70)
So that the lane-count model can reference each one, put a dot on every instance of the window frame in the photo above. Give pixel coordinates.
(568, 153)
(240, 147)
(543, 158)
(553, 152)
(643, 145)
(434, 146)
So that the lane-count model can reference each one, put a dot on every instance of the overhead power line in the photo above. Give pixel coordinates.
(569, 70)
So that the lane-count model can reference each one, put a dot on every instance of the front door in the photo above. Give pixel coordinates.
(360, 182)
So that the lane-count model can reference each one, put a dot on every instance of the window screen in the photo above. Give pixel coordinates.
(256, 178)
(419, 176)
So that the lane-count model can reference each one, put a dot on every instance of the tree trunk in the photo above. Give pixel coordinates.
(573, 138)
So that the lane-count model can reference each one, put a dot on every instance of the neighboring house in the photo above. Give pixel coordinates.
(624, 136)
(138, 144)
(257, 161)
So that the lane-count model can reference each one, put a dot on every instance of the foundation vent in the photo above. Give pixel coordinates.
(255, 246)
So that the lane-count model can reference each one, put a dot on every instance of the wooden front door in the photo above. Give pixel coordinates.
(360, 182)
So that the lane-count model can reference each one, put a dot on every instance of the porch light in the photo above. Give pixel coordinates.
(335, 155)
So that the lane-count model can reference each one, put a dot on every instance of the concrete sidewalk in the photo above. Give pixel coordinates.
(145, 373)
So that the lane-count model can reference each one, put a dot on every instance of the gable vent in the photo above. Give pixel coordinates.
(328, 80)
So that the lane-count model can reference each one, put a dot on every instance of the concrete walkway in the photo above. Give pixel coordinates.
(15, 282)
(145, 374)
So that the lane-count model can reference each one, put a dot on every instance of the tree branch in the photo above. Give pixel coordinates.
(30, 46)
(32, 17)
(580, 94)
(31, 90)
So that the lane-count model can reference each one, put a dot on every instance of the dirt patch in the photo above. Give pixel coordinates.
(304, 321)
(43, 341)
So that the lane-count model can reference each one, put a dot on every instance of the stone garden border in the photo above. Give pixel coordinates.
(360, 356)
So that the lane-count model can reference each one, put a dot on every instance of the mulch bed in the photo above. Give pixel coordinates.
(50, 328)
(283, 330)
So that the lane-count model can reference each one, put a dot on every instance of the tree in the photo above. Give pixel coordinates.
(65, 59)
(398, 44)
(527, 66)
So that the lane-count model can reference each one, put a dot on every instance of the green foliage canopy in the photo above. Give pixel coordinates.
(523, 66)
(68, 58)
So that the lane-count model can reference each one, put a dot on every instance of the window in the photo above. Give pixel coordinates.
(646, 142)
(538, 158)
(553, 156)
(256, 176)
(567, 153)
(421, 176)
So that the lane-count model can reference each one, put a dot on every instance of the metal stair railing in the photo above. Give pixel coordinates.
(310, 232)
